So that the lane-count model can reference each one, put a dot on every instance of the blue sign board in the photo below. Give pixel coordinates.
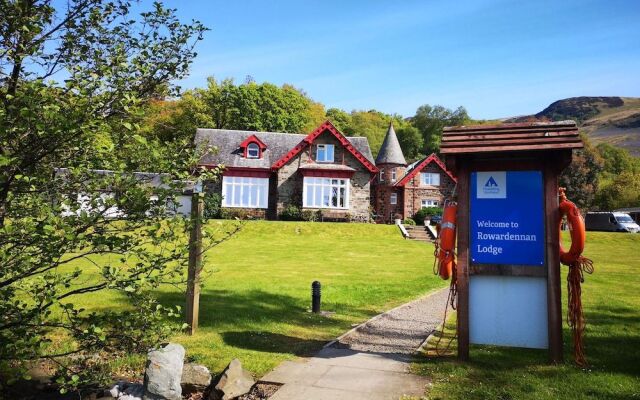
(507, 218)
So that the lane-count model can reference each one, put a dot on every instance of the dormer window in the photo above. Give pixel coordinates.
(324, 153)
(252, 147)
(253, 150)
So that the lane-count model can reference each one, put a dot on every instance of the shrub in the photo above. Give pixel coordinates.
(291, 213)
(425, 212)
(212, 205)
(409, 221)
(311, 215)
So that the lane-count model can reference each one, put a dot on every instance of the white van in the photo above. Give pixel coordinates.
(610, 222)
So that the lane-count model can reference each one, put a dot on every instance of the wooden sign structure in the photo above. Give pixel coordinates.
(508, 272)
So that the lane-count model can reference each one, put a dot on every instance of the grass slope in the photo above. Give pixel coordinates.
(254, 306)
(611, 305)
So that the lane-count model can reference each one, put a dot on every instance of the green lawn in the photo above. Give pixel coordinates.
(612, 309)
(254, 306)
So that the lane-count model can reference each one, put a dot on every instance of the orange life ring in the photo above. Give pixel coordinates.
(447, 240)
(576, 227)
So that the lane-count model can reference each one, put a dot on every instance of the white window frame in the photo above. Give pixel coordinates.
(393, 199)
(245, 192)
(325, 150)
(253, 147)
(429, 203)
(393, 175)
(381, 175)
(427, 179)
(316, 192)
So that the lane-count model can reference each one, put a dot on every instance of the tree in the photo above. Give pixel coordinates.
(430, 121)
(617, 160)
(225, 105)
(581, 178)
(112, 64)
(411, 142)
(623, 191)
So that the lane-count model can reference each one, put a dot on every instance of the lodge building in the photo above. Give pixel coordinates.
(264, 173)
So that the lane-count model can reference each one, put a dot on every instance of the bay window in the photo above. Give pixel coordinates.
(326, 193)
(245, 192)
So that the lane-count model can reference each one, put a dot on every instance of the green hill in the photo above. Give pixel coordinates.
(615, 120)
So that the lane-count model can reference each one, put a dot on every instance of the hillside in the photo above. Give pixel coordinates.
(615, 120)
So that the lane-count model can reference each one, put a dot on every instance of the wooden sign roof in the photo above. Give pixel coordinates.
(510, 137)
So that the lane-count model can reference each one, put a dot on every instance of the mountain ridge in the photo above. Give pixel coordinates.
(605, 119)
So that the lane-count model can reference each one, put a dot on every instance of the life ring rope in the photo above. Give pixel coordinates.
(578, 266)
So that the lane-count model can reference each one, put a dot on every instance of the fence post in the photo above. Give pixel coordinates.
(195, 261)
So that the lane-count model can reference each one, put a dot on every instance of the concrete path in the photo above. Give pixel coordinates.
(375, 367)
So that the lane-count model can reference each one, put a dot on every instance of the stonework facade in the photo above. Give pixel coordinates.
(399, 190)
(340, 186)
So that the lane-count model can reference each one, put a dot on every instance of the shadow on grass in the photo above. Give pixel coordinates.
(272, 342)
(246, 309)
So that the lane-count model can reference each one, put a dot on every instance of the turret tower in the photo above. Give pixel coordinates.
(392, 165)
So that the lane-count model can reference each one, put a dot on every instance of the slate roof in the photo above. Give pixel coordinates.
(390, 151)
(228, 141)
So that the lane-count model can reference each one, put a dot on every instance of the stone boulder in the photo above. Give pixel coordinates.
(163, 373)
(195, 378)
(233, 382)
(125, 391)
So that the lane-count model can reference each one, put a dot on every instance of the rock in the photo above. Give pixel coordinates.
(123, 390)
(233, 382)
(163, 373)
(195, 378)
(134, 391)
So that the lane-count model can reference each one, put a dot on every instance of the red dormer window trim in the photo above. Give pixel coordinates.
(252, 139)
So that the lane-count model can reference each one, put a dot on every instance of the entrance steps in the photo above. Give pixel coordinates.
(420, 233)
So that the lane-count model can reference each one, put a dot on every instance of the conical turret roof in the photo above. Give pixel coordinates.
(390, 152)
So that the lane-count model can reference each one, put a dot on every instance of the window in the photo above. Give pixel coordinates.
(393, 175)
(381, 175)
(325, 193)
(324, 153)
(238, 191)
(394, 198)
(253, 150)
(429, 203)
(430, 178)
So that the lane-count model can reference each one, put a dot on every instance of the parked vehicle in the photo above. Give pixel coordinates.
(610, 222)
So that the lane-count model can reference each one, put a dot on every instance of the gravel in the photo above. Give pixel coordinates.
(401, 330)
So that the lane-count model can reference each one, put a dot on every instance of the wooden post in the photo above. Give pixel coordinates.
(463, 261)
(195, 262)
(554, 293)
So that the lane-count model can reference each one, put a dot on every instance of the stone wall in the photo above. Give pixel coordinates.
(382, 190)
(414, 192)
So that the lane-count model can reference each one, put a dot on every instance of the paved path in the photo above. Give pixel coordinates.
(369, 362)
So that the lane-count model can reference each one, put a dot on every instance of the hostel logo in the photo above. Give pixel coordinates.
(491, 185)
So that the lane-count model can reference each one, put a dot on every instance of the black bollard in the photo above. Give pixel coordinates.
(315, 296)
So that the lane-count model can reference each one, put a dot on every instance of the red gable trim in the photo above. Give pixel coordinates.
(325, 126)
(253, 139)
(421, 166)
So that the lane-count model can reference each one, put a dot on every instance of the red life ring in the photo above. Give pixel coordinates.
(576, 227)
(447, 240)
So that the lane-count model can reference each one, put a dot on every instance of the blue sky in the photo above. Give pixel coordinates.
(496, 58)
